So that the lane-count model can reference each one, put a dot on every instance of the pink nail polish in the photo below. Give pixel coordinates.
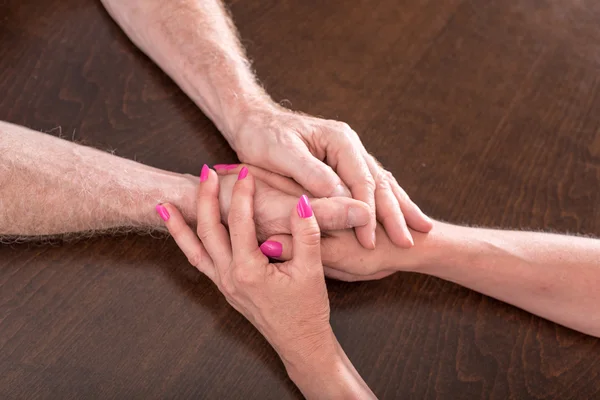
(162, 211)
(243, 173)
(225, 167)
(304, 209)
(204, 173)
(270, 248)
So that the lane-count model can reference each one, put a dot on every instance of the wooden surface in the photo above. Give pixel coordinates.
(487, 111)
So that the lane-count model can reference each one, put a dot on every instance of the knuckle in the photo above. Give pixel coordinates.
(203, 229)
(310, 236)
(228, 287)
(243, 275)
(369, 183)
(403, 196)
(195, 259)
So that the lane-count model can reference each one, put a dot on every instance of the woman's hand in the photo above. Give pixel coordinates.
(286, 302)
(297, 146)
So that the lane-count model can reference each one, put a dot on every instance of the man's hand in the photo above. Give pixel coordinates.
(194, 41)
(272, 208)
(328, 159)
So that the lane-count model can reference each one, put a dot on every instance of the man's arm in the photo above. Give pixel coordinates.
(196, 43)
(50, 186)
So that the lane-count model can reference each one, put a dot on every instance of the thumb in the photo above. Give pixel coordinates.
(340, 213)
(306, 235)
(313, 174)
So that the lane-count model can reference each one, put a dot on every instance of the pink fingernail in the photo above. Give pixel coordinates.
(226, 167)
(162, 211)
(243, 173)
(304, 209)
(204, 173)
(270, 248)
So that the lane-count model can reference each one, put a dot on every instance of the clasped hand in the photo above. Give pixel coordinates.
(252, 285)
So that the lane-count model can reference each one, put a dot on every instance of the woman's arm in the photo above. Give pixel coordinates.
(554, 276)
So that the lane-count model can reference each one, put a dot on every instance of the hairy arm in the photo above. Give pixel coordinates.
(50, 186)
(196, 43)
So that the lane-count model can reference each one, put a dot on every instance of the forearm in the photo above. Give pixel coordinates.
(554, 276)
(196, 43)
(50, 186)
(327, 374)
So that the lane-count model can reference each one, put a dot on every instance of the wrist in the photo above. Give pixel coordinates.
(251, 108)
(161, 187)
(444, 247)
(327, 374)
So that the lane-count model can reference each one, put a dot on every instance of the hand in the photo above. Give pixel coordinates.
(296, 146)
(345, 259)
(252, 285)
(342, 255)
(275, 195)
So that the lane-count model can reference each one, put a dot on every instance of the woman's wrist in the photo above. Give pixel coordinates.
(327, 373)
(444, 246)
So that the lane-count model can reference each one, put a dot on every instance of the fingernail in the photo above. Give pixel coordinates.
(204, 173)
(270, 248)
(162, 211)
(340, 191)
(357, 217)
(243, 173)
(304, 209)
(226, 167)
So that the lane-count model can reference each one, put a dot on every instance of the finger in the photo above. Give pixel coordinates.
(311, 173)
(272, 179)
(340, 213)
(306, 236)
(210, 230)
(415, 218)
(241, 218)
(278, 247)
(347, 277)
(281, 247)
(390, 214)
(186, 239)
(350, 164)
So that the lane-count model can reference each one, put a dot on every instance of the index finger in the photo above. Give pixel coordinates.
(210, 230)
(241, 217)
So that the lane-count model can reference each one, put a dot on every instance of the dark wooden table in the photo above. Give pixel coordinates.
(487, 111)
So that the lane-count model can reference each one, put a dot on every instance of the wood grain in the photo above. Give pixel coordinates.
(487, 112)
